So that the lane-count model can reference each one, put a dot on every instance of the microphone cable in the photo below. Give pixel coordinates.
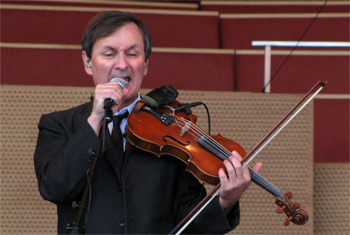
(186, 109)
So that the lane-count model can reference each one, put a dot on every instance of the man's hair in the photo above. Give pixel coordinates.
(106, 23)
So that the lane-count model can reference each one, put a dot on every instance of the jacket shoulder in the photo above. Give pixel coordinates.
(83, 110)
(72, 117)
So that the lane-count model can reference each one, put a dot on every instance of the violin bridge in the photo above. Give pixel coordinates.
(185, 129)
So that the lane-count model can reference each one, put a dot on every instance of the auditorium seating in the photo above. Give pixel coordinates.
(62, 66)
(239, 30)
(331, 130)
(302, 70)
(109, 3)
(66, 24)
(275, 6)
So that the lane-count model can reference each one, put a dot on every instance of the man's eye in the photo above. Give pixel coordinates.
(110, 54)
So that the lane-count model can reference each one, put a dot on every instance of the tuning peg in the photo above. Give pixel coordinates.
(279, 210)
(296, 205)
(286, 221)
(289, 195)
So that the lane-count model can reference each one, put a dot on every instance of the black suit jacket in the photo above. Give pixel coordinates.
(146, 194)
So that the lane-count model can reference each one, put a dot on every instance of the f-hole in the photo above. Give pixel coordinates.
(176, 140)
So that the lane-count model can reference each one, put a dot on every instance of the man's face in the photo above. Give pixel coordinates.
(121, 55)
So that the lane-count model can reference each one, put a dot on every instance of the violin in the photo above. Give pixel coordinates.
(166, 130)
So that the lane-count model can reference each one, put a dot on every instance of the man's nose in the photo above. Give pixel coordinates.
(121, 61)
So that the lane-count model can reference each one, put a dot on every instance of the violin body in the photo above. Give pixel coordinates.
(147, 132)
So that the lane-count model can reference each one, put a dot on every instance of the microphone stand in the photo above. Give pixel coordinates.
(79, 225)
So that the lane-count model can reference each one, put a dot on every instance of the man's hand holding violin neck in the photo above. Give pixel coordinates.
(235, 182)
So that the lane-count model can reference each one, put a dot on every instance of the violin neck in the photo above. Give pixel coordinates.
(264, 183)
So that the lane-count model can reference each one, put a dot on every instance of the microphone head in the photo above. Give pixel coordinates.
(122, 83)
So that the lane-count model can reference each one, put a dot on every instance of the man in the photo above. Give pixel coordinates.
(142, 193)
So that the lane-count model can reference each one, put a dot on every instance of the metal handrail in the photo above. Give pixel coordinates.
(269, 44)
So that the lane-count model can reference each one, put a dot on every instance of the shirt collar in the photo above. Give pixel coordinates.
(128, 108)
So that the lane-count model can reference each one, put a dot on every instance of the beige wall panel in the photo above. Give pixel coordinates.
(332, 198)
(243, 117)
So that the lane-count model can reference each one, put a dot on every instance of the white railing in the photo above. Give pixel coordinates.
(269, 44)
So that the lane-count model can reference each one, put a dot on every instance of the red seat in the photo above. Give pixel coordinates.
(274, 6)
(65, 25)
(239, 30)
(116, 4)
(302, 70)
(331, 130)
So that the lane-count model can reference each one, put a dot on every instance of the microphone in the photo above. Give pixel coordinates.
(108, 103)
(122, 83)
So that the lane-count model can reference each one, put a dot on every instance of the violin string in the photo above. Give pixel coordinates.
(264, 182)
(212, 144)
(200, 133)
(195, 131)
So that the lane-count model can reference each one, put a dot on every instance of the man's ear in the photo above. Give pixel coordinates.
(86, 62)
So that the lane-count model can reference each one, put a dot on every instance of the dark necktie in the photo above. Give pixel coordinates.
(117, 136)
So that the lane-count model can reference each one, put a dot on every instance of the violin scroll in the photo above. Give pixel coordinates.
(293, 211)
